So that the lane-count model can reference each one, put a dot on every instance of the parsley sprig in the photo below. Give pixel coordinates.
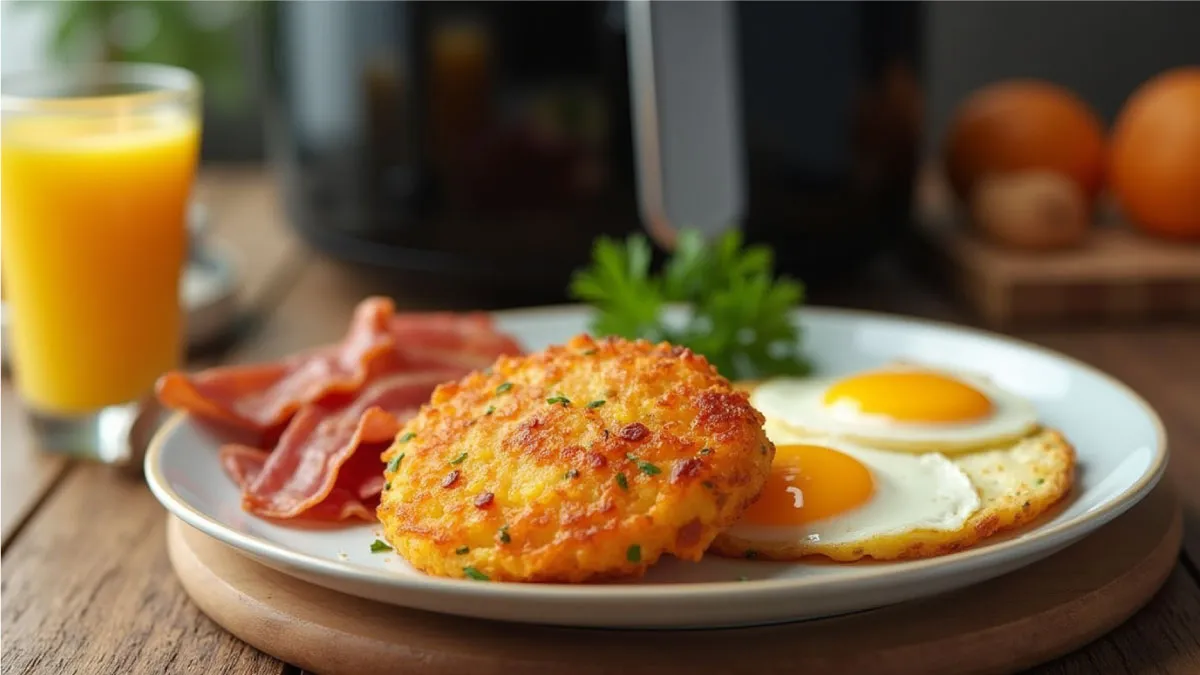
(739, 309)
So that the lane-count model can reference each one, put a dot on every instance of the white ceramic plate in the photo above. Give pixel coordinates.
(1119, 439)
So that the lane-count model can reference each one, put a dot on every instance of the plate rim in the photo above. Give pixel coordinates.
(1044, 538)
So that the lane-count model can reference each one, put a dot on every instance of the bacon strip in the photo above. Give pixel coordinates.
(304, 435)
(242, 462)
(443, 339)
(307, 465)
(260, 398)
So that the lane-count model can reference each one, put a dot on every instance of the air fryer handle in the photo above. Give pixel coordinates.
(686, 116)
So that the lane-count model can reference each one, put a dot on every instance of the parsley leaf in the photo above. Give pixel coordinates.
(740, 310)
(475, 574)
(646, 467)
(380, 546)
(394, 463)
(620, 285)
(634, 553)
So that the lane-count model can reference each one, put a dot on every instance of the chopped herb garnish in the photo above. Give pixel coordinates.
(559, 400)
(459, 459)
(394, 463)
(490, 409)
(648, 468)
(622, 481)
(504, 387)
(596, 404)
(475, 574)
(634, 553)
(380, 546)
(588, 352)
(572, 473)
(406, 437)
(1039, 481)
(751, 554)
(708, 484)
(462, 550)
(706, 451)
(504, 538)
(387, 485)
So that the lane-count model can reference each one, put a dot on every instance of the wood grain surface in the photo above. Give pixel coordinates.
(28, 472)
(1018, 620)
(88, 589)
(87, 586)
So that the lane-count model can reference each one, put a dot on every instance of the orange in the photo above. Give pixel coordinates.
(1155, 157)
(1019, 125)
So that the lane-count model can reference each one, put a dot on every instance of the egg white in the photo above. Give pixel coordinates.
(1013, 484)
(912, 492)
(799, 403)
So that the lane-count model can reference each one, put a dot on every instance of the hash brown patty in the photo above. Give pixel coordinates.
(586, 461)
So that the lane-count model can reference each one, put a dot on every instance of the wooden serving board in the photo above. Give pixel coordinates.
(1004, 625)
(1118, 275)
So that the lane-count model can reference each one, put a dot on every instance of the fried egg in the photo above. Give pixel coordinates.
(906, 408)
(829, 497)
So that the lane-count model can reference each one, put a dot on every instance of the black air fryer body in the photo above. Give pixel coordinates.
(486, 145)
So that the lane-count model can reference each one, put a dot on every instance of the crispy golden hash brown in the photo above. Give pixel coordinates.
(585, 461)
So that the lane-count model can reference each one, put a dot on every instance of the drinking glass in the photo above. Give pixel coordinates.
(96, 166)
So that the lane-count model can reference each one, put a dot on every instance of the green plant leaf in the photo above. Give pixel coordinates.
(740, 317)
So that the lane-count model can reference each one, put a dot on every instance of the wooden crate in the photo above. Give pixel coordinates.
(1119, 275)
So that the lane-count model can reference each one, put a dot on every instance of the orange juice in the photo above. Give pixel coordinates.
(94, 240)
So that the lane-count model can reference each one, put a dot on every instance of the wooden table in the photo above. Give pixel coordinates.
(86, 585)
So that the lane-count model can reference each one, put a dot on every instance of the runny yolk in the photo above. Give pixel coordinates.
(911, 396)
(810, 483)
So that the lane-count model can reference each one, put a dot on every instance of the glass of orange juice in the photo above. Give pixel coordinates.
(96, 166)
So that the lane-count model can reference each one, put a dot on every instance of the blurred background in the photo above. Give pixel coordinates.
(482, 147)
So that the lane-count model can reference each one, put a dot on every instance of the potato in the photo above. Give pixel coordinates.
(1035, 210)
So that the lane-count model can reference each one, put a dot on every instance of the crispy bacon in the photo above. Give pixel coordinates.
(304, 435)
(242, 462)
(256, 400)
(313, 458)
(467, 341)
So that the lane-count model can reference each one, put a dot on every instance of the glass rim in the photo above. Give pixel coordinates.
(165, 84)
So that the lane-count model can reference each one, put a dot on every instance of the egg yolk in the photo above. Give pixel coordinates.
(808, 483)
(911, 396)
